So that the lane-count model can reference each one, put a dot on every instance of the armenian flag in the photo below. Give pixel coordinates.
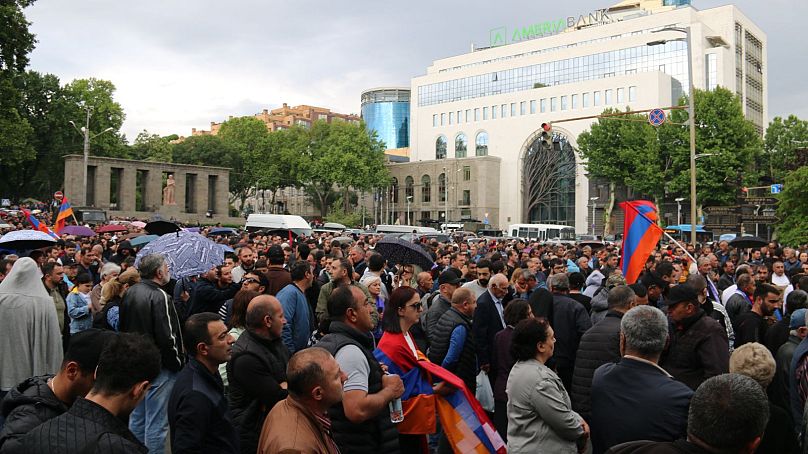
(38, 225)
(640, 236)
(65, 211)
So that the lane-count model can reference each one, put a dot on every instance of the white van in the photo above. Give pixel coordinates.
(392, 228)
(269, 222)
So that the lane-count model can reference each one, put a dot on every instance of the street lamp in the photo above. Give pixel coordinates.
(679, 210)
(409, 199)
(85, 131)
(691, 122)
(593, 200)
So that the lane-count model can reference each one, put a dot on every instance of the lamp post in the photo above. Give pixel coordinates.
(85, 131)
(679, 210)
(409, 199)
(593, 200)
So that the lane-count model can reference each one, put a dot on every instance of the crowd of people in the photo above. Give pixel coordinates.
(278, 348)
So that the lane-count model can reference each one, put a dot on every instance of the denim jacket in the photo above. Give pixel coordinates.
(79, 312)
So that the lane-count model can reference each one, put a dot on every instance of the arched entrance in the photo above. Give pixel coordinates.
(548, 180)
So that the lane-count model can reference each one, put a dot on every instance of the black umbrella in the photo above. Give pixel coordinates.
(161, 227)
(404, 252)
(743, 242)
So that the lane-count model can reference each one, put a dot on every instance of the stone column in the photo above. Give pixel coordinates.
(154, 189)
(202, 192)
(222, 192)
(103, 175)
(128, 190)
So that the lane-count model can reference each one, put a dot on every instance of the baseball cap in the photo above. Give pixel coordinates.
(680, 294)
(797, 319)
(448, 277)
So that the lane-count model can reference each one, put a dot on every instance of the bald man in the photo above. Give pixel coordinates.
(257, 369)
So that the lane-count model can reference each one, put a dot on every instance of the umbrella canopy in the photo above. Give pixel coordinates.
(343, 240)
(138, 224)
(26, 239)
(744, 242)
(226, 248)
(142, 240)
(191, 229)
(222, 231)
(187, 253)
(129, 236)
(593, 244)
(403, 252)
(77, 230)
(111, 228)
(160, 227)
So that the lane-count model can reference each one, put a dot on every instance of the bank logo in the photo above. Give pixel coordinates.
(497, 36)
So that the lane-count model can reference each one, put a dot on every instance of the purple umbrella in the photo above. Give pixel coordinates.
(77, 230)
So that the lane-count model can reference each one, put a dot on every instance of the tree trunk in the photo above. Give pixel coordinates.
(346, 200)
(607, 214)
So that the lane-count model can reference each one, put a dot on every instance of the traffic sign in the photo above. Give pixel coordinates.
(58, 195)
(714, 227)
(776, 188)
(760, 219)
(722, 210)
(760, 200)
(656, 117)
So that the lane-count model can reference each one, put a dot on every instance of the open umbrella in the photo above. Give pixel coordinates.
(77, 230)
(343, 240)
(594, 244)
(110, 228)
(222, 231)
(403, 252)
(226, 248)
(187, 253)
(129, 236)
(191, 229)
(26, 239)
(138, 224)
(161, 227)
(743, 242)
(142, 240)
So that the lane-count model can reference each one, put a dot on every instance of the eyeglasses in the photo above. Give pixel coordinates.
(417, 306)
(250, 280)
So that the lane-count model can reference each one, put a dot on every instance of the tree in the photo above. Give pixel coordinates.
(783, 138)
(97, 95)
(245, 136)
(16, 41)
(151, 147)
(727, 139)
(212, 151)
(792, 210)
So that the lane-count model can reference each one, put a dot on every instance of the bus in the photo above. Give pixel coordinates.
(542, 232)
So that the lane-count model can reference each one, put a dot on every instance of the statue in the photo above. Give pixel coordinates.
(168, 191)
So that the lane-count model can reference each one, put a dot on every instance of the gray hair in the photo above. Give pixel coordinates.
(559, 281)
(702, 261)
(645, 329)
(728, 411)
(150, 264)
(497, 279)
(621, 297)
(109, 268)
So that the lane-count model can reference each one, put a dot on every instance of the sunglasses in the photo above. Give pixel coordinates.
(250, 280)
(417, 306)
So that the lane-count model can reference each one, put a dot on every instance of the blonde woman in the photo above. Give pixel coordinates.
(111, 296)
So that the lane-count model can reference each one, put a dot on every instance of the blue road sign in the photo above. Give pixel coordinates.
(656, 117)
(776, 188)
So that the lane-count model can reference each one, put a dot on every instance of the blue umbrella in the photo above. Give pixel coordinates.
(226, 248)
(142, 240)
(222, 231)
(26, 239)
(187, 253)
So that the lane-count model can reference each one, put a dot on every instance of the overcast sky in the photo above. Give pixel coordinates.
(179, 64)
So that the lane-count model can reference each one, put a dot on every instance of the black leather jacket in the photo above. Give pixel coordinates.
(148, 310)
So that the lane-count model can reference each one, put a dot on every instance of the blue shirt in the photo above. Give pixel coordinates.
(456, 343)
(297, 329)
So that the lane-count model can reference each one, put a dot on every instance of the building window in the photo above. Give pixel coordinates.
(394, 190)
(442, 187)
(607, 97)
(504, 110)
(585, 100)
(563, 103)
(440, 147)
(442, 119)
(435, 120)
(426, 189)
(596, 98)
(632, 94)
(409, 188)
(466, 173)
(522, 108)
(621, 95)
(459, 116)
(494, 112)
(460, 145)
(532, 106)
(468, 115)
(553, 104)
(451, 118)
(574, 99)
(485, 113)
(477, 114)
(543, 105)
(513, 109)
(466, 197)
(481, 144)
(712, 71)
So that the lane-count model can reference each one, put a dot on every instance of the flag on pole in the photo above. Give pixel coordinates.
(38, 225)
(640, 236)
(65, 211)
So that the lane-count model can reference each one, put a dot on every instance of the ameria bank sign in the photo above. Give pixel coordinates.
(500, 36)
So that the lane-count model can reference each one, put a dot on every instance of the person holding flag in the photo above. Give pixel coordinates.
(65, 211)
(640, 237)
(38, 225)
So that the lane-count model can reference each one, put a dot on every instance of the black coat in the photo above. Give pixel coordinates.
(599, 345)
(635, 400)
(86, 427)
(26, 406)
(198, 415)
(697, 350)
(485, 325)
(570, 321)
(209, 298)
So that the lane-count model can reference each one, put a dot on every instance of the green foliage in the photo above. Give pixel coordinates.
(151, 147)
(16, 41)
(783, 138)
(212, 151)
(351, 219)
(105, 112)
(245, 136)
(792, 210)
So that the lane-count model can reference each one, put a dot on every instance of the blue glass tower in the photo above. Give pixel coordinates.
(387, 111)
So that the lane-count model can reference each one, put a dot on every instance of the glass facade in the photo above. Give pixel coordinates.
(387, 111)
(440, 147)
(555, 205)
(670, 57)
(481, 144)
(461, 145)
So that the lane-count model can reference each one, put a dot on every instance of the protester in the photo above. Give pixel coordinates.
(341, 274)
(300, 423)
(198, 414)
(489, 319)
(53, 279)
(635, 399)
(752, 325)
(108, 272)
(208, 296)
(236, 324)
(246, 259)
(570, 321)
(502, 362)
(540, 417)
(436, 304)
(453, 345)
(126, 368)
(79, 305)
(111, 297)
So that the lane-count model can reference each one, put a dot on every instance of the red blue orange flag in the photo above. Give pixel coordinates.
(65, 211)
(38, 225)
(640, 236)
